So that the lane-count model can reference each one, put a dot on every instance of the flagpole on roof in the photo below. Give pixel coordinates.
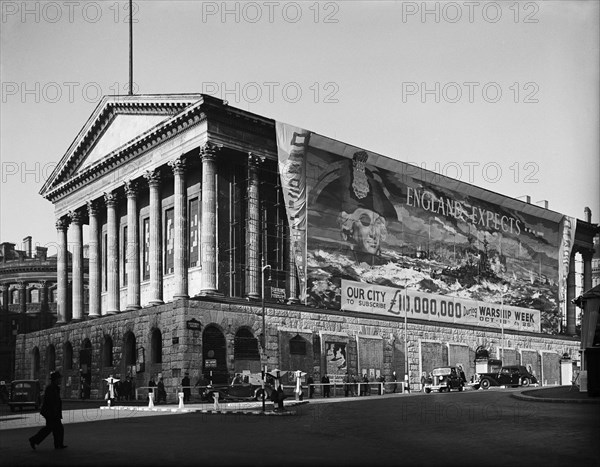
(130, 48)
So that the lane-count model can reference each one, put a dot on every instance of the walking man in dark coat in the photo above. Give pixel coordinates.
(52, 412)
(187, 391)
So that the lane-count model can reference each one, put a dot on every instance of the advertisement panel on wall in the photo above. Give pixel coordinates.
(371, 219)
(389, 301)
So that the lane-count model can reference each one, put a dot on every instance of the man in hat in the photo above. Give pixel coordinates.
(187, 391)
(52, 412)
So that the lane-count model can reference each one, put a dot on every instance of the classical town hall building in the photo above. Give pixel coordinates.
(193, 211)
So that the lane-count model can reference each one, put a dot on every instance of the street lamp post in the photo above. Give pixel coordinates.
(406, 380)
(264, 328)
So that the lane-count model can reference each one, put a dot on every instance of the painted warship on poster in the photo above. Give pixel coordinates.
(370, 219)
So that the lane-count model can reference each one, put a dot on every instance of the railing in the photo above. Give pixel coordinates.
(336, 389)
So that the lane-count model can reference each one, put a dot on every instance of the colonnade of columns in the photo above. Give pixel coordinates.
(208, 242)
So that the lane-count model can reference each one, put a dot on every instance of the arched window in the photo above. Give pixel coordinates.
(156, 346)
(245, 345)
(130, 348)
(107, 351)
(50, 358)
(14, 297)
(68, 356)
(34, 296)
(53, 295)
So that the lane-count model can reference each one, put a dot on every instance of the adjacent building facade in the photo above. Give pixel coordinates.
(28, 297)
(195, 211)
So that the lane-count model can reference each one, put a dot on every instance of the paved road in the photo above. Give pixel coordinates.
(478, 427)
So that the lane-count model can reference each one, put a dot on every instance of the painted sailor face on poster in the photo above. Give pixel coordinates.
(364, 210)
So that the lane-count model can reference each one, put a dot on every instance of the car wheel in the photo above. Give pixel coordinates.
(525, 382)
(460, 388)
(485, 384)
(427, 390)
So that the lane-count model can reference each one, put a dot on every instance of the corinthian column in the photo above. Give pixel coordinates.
(112, 261)
(252, 230)
(156, 273)
(62, 273)
(133, 248)
(77, 273)
(208, 237)
(94, 261)
(180, 244)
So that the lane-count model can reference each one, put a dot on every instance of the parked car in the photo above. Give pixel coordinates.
(511, 375)
(444, 379)
(25, 393)
(247, 387)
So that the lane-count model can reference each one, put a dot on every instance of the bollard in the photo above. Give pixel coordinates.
(151, 400)
(180, 394)
(216, 400)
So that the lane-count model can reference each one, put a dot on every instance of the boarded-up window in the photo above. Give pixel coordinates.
(297, 345)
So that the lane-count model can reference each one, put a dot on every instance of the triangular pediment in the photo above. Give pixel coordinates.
(117, 122)
(122, 130)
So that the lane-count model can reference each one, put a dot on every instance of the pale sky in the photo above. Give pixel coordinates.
(503, 95)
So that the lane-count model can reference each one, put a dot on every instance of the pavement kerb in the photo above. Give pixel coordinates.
(524, 397)
(191, 409)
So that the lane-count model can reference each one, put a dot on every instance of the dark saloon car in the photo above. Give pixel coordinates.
(242, 388)
(25, 393)
(444, 379)
(512, 375)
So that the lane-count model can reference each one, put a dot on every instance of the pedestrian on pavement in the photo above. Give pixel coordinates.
(185, 382)
(346, 384)
(311, 388)
(395, 381)
(325, 381)
(151, 386)
(365, 387)
(52, 412)
(162, 394)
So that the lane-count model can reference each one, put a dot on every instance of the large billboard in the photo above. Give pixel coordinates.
(366, 218)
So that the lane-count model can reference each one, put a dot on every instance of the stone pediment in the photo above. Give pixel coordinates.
(122, 130)
(116, 123)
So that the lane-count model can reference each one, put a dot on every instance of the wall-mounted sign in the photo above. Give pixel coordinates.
(193, 324)
(210, 363)
(278, 293)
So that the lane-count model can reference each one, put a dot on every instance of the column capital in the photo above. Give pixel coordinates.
(76, 217)
(131, 188)
(3, 287)
(92, 207)
(110, 198)
(153, 177)
(209, 151)
(178, 165)
(62, 223)
(21, 285)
